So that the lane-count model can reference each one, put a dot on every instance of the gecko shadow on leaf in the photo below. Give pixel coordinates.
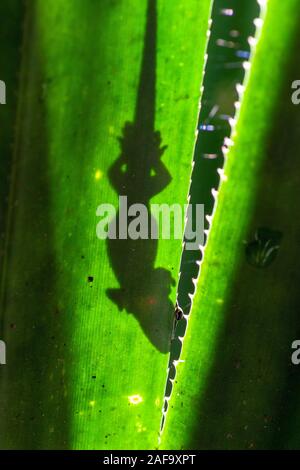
(139, 174)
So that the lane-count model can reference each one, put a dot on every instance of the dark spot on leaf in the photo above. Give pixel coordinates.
(262, 251)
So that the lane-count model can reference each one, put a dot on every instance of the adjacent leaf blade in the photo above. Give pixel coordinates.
(236, 351)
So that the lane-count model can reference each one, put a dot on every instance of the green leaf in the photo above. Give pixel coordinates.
(237, 387)
(80, 373)
(10, 37)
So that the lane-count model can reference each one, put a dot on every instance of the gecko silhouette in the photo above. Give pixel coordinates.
(139, 174)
